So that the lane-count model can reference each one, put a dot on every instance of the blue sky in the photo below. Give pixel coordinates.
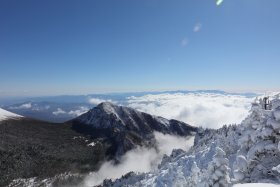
(77, 47)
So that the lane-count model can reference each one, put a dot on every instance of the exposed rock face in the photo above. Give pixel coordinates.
(125, 127)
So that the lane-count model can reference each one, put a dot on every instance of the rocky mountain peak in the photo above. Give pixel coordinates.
(108, 115)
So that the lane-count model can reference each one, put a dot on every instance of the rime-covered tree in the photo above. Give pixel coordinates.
(258, 143)
(195, 176)
(217, 174)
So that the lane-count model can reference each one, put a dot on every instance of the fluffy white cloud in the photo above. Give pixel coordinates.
(198, 109)
(79, 111)
(23, 106)
(197, 27)
(59, 111)
(96, 101)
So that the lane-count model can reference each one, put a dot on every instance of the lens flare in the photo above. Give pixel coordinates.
(219, 2)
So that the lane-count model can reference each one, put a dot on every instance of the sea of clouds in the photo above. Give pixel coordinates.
(208, 110)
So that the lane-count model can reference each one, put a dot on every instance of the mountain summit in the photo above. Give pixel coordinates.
(125, 128)
(107, 116)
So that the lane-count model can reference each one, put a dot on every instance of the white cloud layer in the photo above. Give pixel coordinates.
(59, 111)
(197, 109)
(23, 106)
(141, 159)
(96, 101)
(79, 111)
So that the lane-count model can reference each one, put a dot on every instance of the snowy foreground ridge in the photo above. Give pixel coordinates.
(244, 153)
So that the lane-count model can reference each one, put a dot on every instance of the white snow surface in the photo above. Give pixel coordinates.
(4, 114)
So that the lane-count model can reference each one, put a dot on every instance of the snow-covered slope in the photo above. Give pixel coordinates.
(4, 114)
(245, 153)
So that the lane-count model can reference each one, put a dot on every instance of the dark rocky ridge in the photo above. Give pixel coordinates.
(125, 127)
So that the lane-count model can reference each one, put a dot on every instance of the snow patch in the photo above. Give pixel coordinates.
(4, 114)
(91, 144)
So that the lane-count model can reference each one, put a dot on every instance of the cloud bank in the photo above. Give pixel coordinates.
(59, 111)
(23, 106)
(141, 159)
(197, 109)
(96, 101)
(79, 111)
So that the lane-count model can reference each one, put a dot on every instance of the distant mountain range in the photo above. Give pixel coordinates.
(33, 148)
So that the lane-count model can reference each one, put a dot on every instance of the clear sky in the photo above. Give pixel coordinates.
(51, 47)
